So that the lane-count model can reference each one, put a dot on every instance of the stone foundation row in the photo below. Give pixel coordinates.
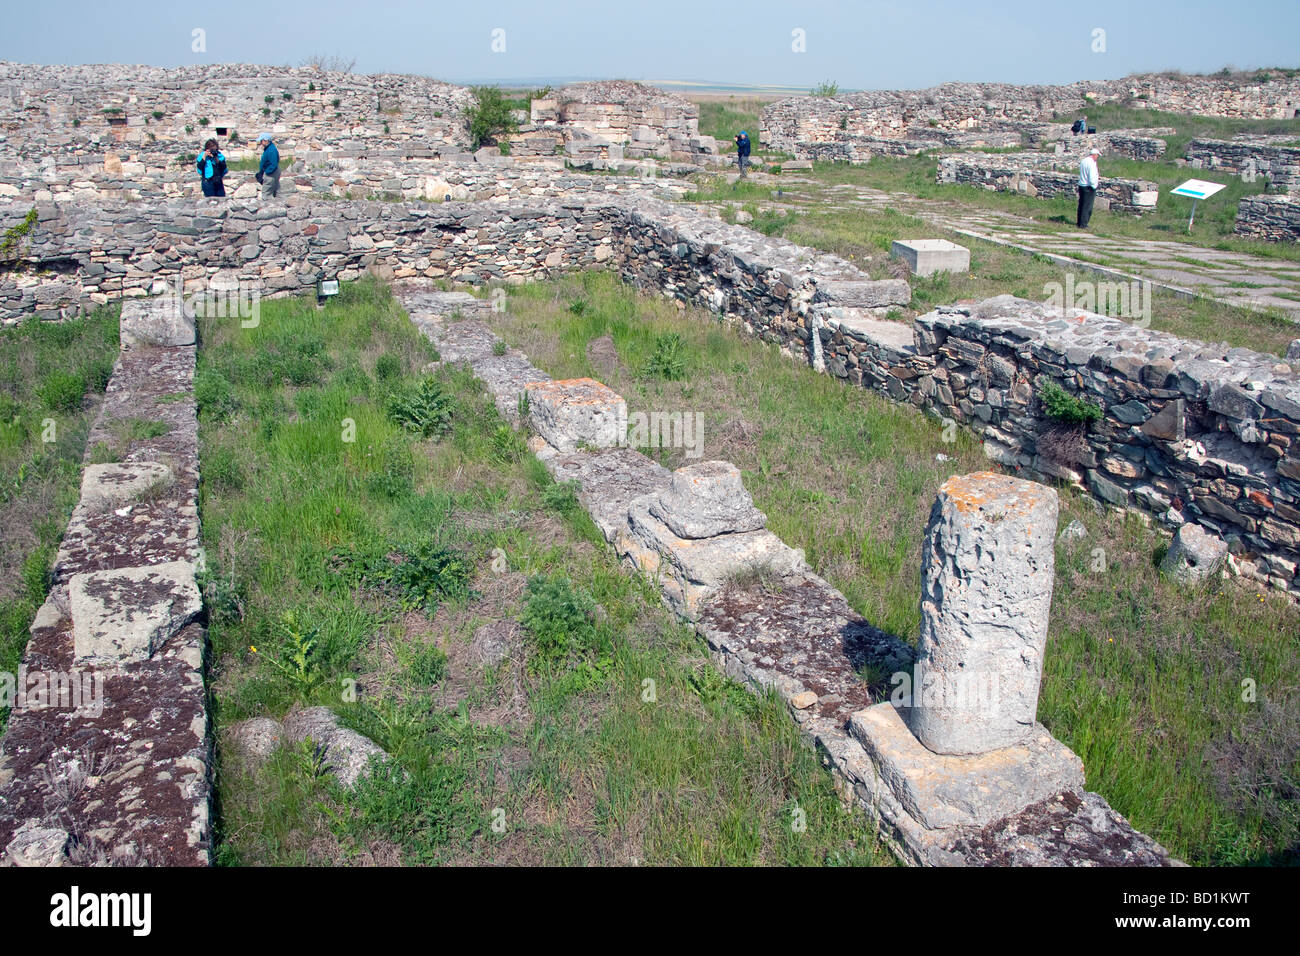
(991, 794)
(107, 760)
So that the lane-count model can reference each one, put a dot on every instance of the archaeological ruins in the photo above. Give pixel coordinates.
(1201, 440)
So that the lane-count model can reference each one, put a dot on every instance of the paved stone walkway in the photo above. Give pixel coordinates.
(1233, 278)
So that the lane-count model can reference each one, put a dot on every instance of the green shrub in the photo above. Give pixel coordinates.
(668, 361)
(420, 577)
(1063, 407)
(558, 618)
(425, 410)
(561, 496)
(388, 367)
(826, 88)
(62, 391)
(489, 116)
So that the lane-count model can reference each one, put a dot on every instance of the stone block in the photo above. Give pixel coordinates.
(163, 321)
(1194, 555)
(928, 256)
(986, 576)
(127, 614)
(109, 485)
(347, 754)
(943, 791)
(707, 499)
(577, 412)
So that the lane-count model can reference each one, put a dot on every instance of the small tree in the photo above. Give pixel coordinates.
(489, 116)
(826, 88)
(328, 64)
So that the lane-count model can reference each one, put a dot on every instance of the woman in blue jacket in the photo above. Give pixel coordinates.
(211, 164)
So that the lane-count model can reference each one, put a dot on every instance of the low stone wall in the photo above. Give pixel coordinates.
(123, 778)
(1012, 795)
(1270, 218)
(1031, 175)
(1281, 165)
(1191, 432)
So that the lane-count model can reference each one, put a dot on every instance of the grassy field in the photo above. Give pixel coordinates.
(723, 119)
(863, 234)
(373, 561)
(51, 378)
(1143, 680)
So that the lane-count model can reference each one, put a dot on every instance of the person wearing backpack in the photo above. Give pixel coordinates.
(211, 164)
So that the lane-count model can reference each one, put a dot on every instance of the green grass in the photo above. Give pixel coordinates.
(558, 743)
(724, 119)
(250, 164)
(1142, 679)
(51, 378)
(863, 234)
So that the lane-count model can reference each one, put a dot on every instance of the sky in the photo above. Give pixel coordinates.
(865, 45)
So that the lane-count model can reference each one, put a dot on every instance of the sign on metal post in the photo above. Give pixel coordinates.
(1196, 190)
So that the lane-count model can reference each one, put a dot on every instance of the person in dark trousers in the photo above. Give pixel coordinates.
(742, 151)
(1089, 179)
(211, 164)
(268, 170)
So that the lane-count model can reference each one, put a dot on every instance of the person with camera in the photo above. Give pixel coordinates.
(742, 152)
(211, 164)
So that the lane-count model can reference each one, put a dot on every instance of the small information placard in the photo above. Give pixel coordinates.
(1197, 189)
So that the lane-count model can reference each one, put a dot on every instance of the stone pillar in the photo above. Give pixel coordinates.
(986, 588)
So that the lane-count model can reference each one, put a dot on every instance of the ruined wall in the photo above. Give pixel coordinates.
(1192, 432)
(1281, 165)
(1034, 176)
(1269, 218)
(968, 106)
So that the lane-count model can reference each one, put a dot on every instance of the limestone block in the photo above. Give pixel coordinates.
(109, 485)
(942, 791)
(127, 614)
(928, 256)
(707, 499)
(163, 321)
(986, 576)
(256, 738)
(577, 411)
(347, 753)
(1194, 554)
(38, 847)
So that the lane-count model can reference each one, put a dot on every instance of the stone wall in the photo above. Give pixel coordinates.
(644, 120)
(1191, 432)
(1279, 164)
(1270, 218)
(1033, 175)
(972, 106)
(124, 778)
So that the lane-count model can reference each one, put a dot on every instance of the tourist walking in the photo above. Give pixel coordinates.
(742, 152)
(211, 164)
(1089, 178)
(268, 170)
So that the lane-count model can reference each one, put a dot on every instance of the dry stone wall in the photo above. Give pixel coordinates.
(1033, 175)
(1279, 164)
(975, 106)
(1270, 218)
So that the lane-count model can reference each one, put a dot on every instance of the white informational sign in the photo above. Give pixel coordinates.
(1197, 189)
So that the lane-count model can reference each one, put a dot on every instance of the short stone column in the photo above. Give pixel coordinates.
(987, 570)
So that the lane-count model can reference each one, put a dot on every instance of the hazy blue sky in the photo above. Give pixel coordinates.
(859, 45)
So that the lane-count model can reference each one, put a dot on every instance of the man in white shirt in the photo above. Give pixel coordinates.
(1089, 178)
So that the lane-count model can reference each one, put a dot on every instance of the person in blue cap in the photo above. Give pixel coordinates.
(742, 151)
(211, 165)
(268, 170)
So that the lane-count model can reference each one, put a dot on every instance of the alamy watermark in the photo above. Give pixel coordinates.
(222, 299)
(683, 430)
(79, 691)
